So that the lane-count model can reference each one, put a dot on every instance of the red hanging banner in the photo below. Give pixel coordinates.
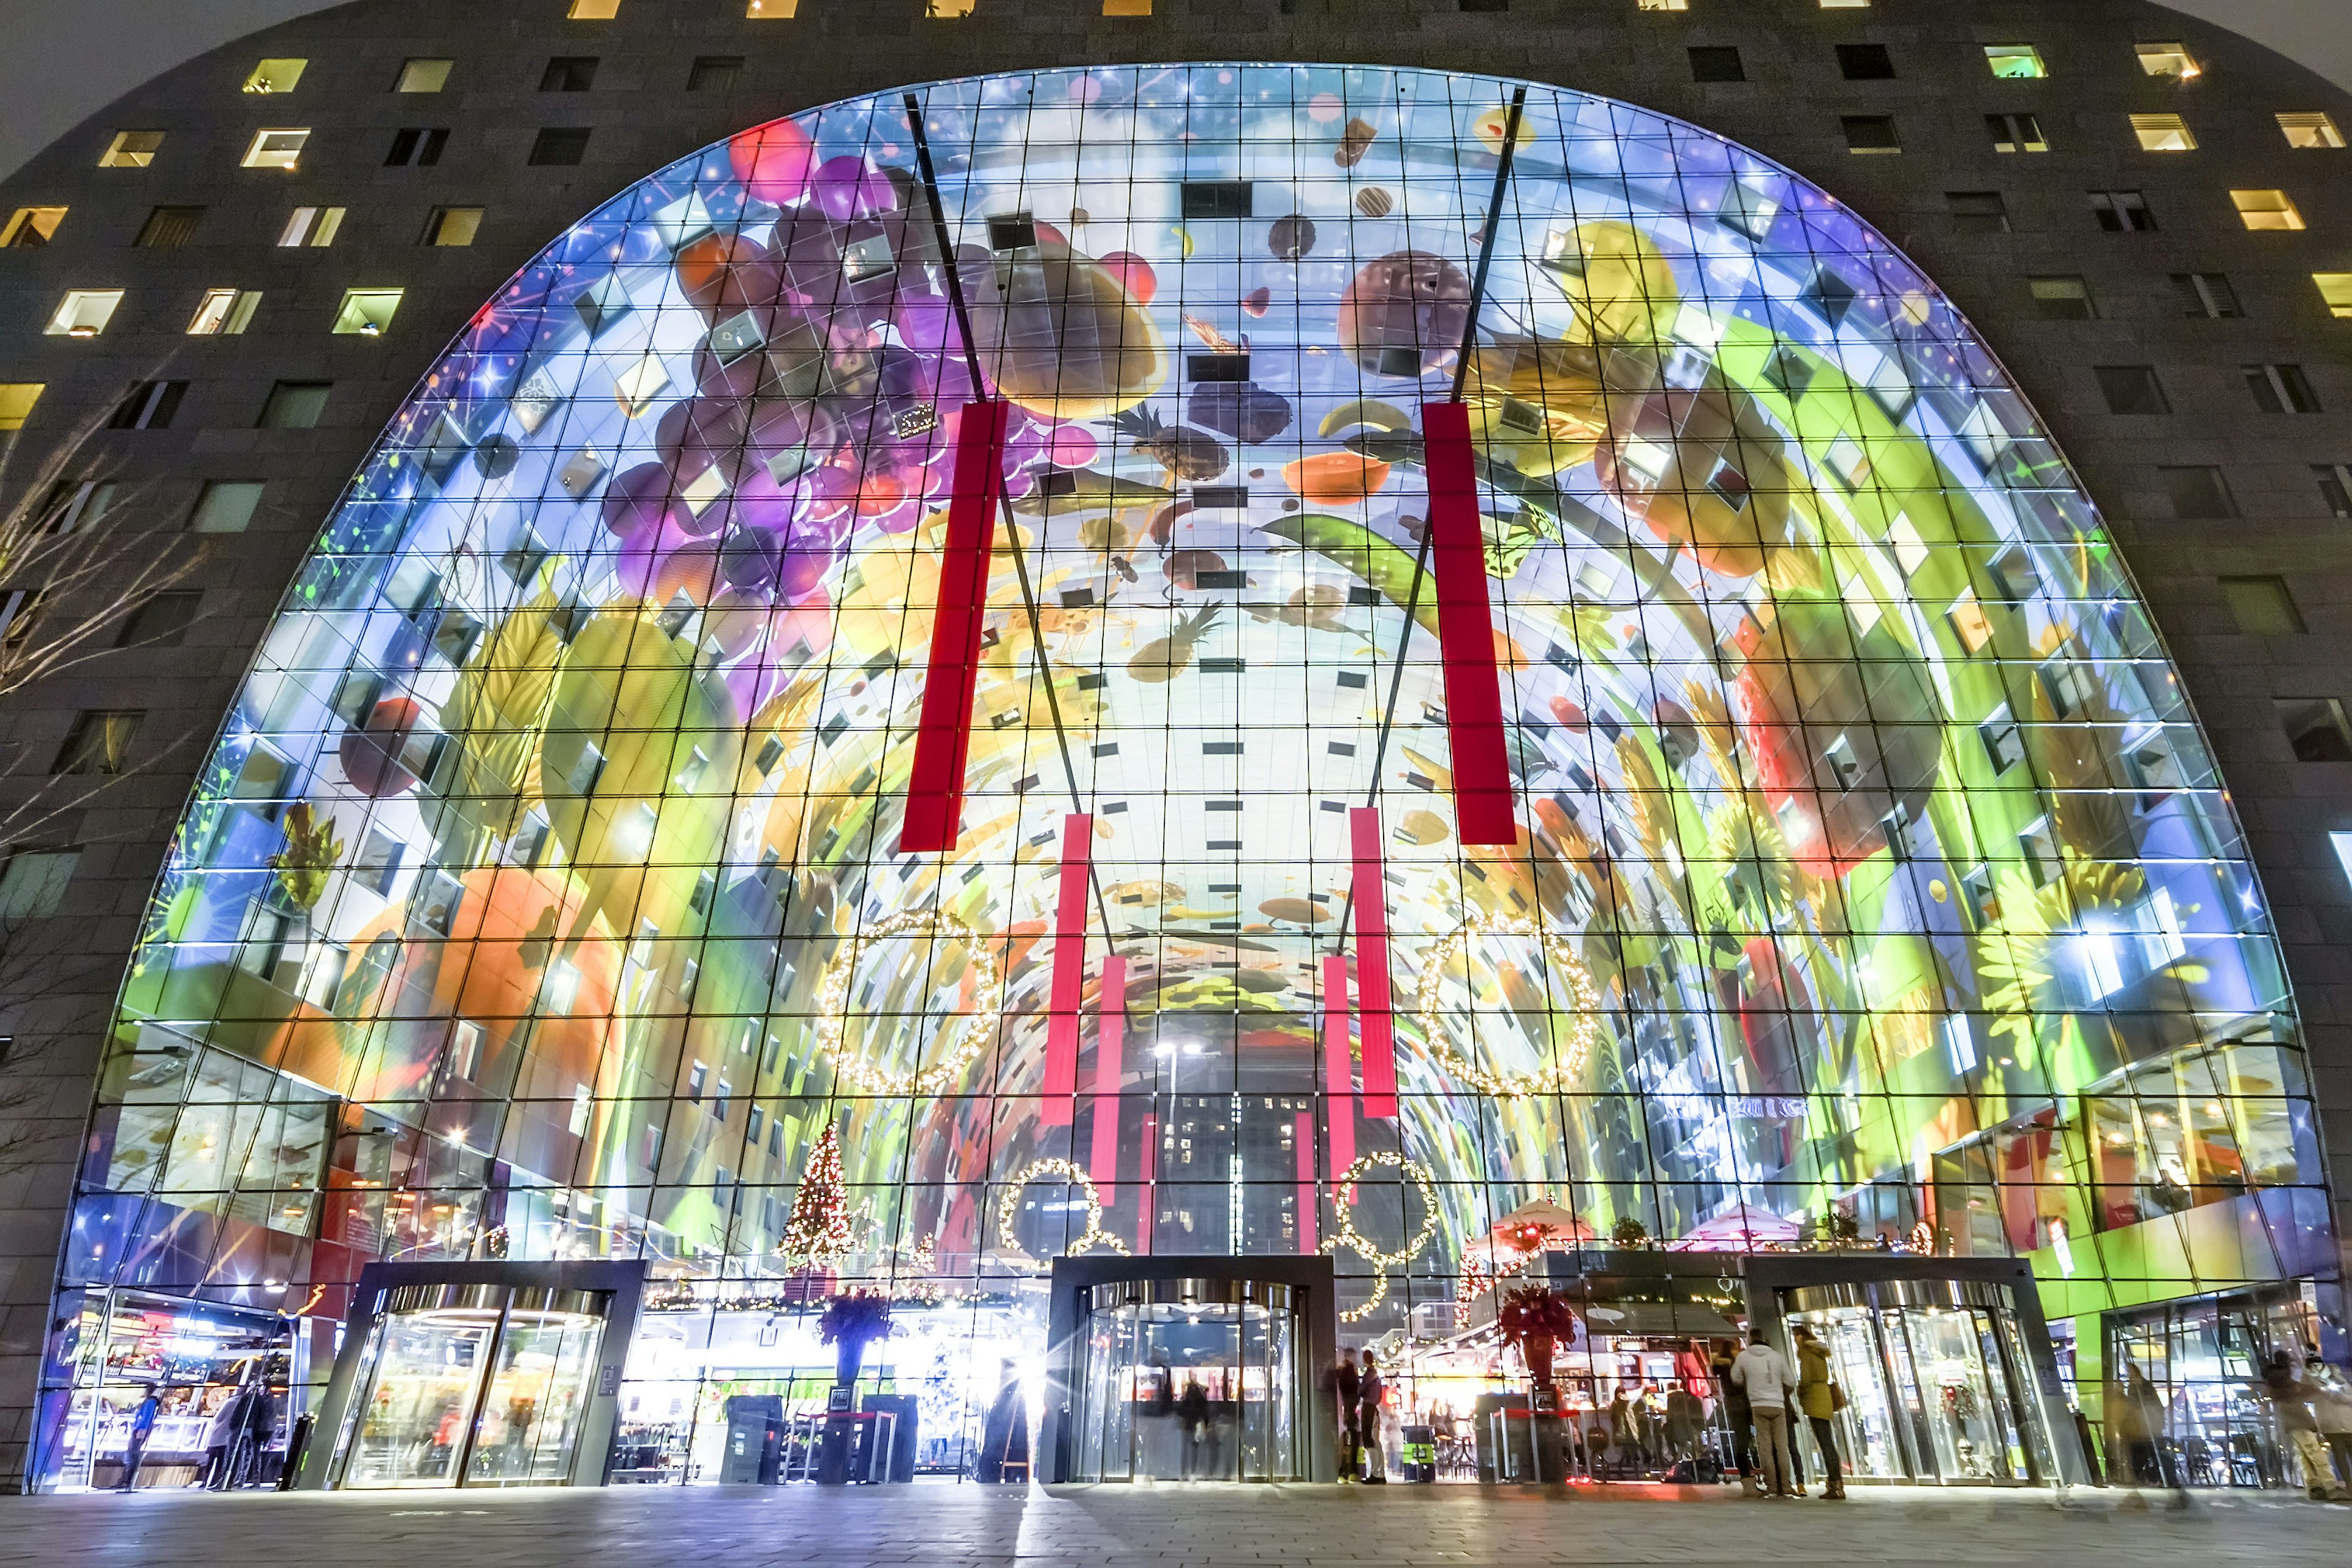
(1378, 1028)
(1061, 1084)
(943, 727)
(1110, 1045)
(1305, 1138)
(1338, 1066)
(1465, 630)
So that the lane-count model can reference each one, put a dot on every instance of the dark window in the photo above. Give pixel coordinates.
(714, 73)
(2062, 299)
(2335, 486)
(2131, 389)
(1870, 134)
(2015, 133)
(2197, 492)
(415, 147)
(2281, 388)
(2206, 294)
(1716, 62)
(2262, 607)
(168, 229)
(2122, 212)
(1865, 62)
(2314, 727)
(1982, 211)
(149, 405)
(568, 73)
(294, 404)
(100, 740)
(1486, 4)
(560, 148)
(160, 620)
(1215, 199)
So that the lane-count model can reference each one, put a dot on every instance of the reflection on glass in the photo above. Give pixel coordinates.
(1185, 1393)
(413, 1421)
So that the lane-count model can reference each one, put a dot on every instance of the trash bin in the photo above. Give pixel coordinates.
(1420, 1454)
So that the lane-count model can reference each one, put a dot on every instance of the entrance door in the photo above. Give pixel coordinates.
(1198, 1389)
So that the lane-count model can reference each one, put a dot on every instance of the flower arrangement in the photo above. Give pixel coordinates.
(1533, 1319)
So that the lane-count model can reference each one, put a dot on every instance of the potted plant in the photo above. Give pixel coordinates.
(1535, 1319)
(852, 1321)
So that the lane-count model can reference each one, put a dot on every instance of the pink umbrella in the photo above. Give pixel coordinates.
(1736, 1229)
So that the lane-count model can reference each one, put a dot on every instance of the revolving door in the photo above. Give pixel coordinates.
(1189, 1380)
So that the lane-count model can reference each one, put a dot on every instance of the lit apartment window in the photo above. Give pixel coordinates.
(2206, 294)
(558, 147)
(2336, 289)
(1110, 7)
(2262, 607)
(2266, 209)
(168, 229)
(313, 226)
(2335, 486)
(149, 405)
(452, 226)
(2131, 389)
(772, 10)
(132, 150)
(568, 73)
(226, 506)
(714, 73)
(275, 76)
(2163, 133)
(1870, 134)
(949, 7)
(1865, 62)
(2122, 212)
(1845, 5)
(367, 313)
(594, 10)
(1661, 5)
(1716, 62)
(16, 400)
(83, 312)
(2015, 62)
(422, 75)
(2168, 60)
(1982, 211)
(2015, 133)
(2062, 299)
(415, 147)
(224, 313)
(276, 149)
(30, 227)
(2280, 388)
(2310, 130)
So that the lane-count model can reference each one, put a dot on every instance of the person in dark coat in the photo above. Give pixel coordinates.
(1004, 1436)
(142, 1426)
(260, 1426)
(1193, 1421)
(1368, 1425)
(1738, 1416)
(1346, 1389)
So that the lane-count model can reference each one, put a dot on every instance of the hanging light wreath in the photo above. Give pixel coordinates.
(970, 1036)
(1559, 1079)
(1355, 1241)
(1095, 1236)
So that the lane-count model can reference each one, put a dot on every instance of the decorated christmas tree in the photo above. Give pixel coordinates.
(818, 1232)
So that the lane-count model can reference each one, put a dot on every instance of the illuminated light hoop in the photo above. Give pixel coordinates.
(832, 1007)
(1556, 1079)
(1355, 1241)
(1076, 1175)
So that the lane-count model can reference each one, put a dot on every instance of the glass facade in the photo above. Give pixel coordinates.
(542, 895)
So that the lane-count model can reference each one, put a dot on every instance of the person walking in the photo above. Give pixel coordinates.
(2290, 1399)
(1737, 1417)
(1368, 1424)
(1817, 1398)
(1346, 1390)
(142, 1427)
(220, 1439)
(1193, 1423)
(1763, 1373)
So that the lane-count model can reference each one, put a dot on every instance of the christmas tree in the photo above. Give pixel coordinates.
(818, 1232)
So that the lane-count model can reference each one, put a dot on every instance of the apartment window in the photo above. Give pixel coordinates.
(2261, 606)
(1716, 62)
(1870, 134)
(2197, 494)
(16, 400)
(29, 226)
(2062, 299)
(132, 150)
(294, 405)
(1980, 212)
(453, 226)
(2163, 133)
(1845, 5)
(2314, 727)
(366, 312)
(714, 73)
(2171, 60)
(2015, 133)
(560, 148)
(313, 226)
(225, 506)
(2335, 486)
(1661, 5)
(422, 75)
(224, 313)
(1865, 62)
(593, 10)
(149, 405)
(2015, 62)
(2122, 212)
(786, 10)
(168, 229)
(2310, 130)
(1111, 8)
(2131, 389)
(161, 621)
(275, 76)
(568, 73)
(100, 740)
(2206, 294)
(415, 147)
(277, 149)
(33, 884)
(2280, 388)
(2266, 209)
(83, 312)
(952, 8)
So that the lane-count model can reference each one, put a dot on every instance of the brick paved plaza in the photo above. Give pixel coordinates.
(752, 1528)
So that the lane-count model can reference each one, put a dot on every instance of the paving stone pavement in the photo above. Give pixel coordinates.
(1164, 1527)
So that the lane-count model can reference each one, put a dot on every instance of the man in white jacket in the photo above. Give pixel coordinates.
(1763, 1372)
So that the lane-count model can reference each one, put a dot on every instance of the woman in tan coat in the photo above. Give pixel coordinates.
(1817, 1397)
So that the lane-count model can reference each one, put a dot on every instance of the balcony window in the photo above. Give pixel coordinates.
(83, 312)
(132, 150)
(29, 226)
(224, 313)
(280, 149)
(367, 313)
(275, 76)
(2266, 210)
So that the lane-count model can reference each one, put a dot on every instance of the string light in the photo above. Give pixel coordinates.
(817, 1230)
(832, 1007)
(1095, 1235)
(1559, 1077)
(1354, 1240)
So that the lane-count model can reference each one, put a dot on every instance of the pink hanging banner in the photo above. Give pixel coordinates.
(934, 812)
(1110, 1043)
(1305, 1138)
(1148, 1171)
(1378, 1028)
(1069, 990)
(1338, 1066)
(1465, 630)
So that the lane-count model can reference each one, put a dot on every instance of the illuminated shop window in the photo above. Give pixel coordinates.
(83, 312)
(2266, 209)
(2015, 62)
(276, 149)
(275, 76)
(132, 150)
(29, 226)
(2312, 131)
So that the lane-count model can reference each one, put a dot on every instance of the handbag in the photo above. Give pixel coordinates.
(1837, 1397)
